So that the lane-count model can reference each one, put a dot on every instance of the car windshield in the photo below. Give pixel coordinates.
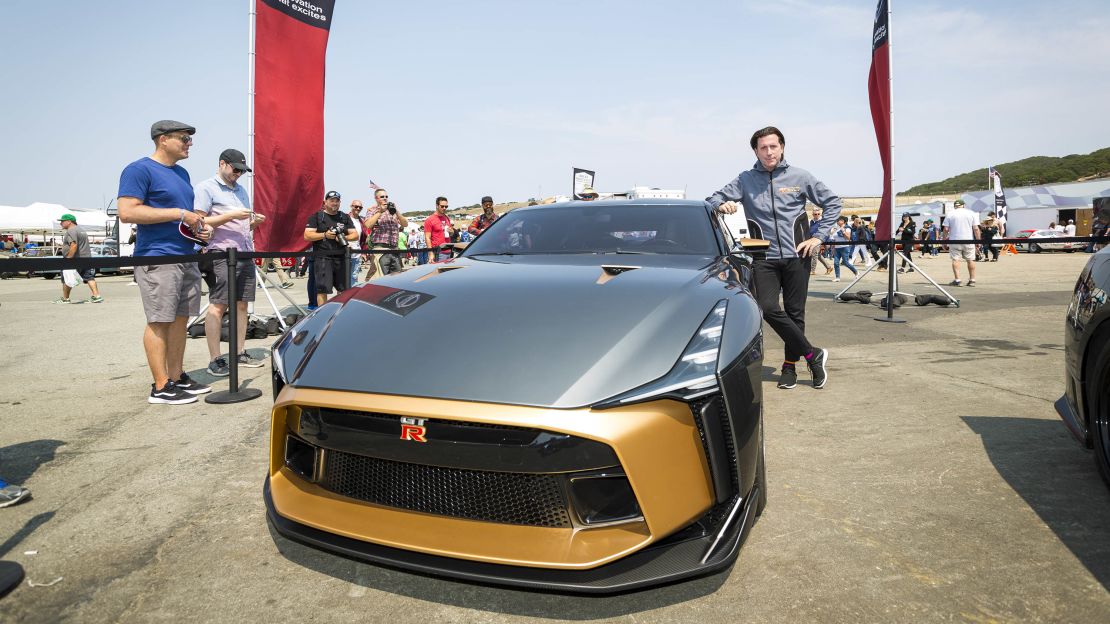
(592, 228)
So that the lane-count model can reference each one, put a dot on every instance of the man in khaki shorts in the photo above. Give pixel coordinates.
(961, 224)
(155, 193)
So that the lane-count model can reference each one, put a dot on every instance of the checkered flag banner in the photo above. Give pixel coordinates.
(999, 194)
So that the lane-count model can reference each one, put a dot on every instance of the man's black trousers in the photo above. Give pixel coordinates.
(789, 276)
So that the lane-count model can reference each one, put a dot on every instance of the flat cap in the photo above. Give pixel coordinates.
(168, 125)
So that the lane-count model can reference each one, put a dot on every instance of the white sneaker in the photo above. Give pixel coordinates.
(836, 279)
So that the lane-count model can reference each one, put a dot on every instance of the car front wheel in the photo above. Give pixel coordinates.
(1098, 383)
(1034, 247)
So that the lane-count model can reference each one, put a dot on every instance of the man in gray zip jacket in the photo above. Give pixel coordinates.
(774, 196)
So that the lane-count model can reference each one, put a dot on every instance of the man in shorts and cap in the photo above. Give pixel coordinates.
(155, 193)
(75, 244)
(328, 230)
(225, 206)
(962, 224)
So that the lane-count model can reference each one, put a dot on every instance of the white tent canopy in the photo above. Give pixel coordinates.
(43, 217)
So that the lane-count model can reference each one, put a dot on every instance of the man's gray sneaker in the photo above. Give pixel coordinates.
(12, 494)
(246, 360)
(218, 367)
(170, 394)
(192, 386)
(788, 378)
(817, 367)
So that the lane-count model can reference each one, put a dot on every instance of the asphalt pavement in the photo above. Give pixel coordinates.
(931, 480)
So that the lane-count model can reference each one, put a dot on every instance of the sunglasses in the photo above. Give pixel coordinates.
(383, 196)
(184, 138)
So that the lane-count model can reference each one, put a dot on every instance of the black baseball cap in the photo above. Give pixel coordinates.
(333, 195)
(235, 158)
(487, 198)
(167, 126)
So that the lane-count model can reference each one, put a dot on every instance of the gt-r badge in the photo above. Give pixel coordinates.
(413, 429)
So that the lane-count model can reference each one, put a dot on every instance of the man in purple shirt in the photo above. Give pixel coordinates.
(225, 206)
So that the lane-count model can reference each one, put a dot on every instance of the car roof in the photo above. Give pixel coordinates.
(602, 203)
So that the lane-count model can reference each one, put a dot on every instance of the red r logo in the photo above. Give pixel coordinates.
(413, 432)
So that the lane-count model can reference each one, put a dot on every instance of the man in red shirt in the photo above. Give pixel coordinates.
(485, 219)
(438, 231)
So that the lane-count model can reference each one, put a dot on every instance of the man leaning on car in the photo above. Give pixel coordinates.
(774, 196)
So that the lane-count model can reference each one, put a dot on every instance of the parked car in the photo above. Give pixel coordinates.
(602, 432)
(1041, 240)
(108, 250)
(41, 252)
(1085, 406)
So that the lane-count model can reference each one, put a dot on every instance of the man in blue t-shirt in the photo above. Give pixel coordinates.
(155, 193)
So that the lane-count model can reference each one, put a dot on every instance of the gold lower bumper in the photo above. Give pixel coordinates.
(657, 444)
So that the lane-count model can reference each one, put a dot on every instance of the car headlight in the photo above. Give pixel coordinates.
(695, 372)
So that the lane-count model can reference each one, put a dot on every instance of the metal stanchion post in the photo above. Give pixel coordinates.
(233, 394)
(347, 264)
(890, 289)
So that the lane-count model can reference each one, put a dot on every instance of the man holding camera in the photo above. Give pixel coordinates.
(328, 230)
(483, 220)
(383, 226)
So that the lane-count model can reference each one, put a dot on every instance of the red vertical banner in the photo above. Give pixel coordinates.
(878, 91)
(291, 40)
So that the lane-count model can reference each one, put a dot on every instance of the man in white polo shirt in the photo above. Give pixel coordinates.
(961, 224)
(224, 204)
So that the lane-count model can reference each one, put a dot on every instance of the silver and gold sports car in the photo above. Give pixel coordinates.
(573, 404)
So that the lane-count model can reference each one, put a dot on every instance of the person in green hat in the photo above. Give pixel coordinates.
(75, 244)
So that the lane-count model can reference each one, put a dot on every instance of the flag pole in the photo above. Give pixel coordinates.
(891, 288)
(250, 97)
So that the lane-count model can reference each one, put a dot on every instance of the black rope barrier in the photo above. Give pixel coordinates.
(16, 265)
(973, 241)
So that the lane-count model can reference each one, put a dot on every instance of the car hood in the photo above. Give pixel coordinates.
(542, 331)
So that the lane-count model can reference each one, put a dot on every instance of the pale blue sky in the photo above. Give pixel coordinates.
(504, 98)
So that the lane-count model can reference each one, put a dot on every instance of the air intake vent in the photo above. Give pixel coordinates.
(609, 271)
(509, 498)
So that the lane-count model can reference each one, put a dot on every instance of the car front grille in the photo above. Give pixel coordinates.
(504, 497)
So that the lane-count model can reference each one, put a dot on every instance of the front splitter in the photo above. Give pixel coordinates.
(661, 563)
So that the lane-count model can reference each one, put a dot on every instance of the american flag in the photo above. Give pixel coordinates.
(374, 187)
(999, 195)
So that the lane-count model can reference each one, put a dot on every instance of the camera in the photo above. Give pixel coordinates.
(391, 207)
(340, 231)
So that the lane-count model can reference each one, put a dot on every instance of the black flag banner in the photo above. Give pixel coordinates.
(1000, 208)
(582, 179)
